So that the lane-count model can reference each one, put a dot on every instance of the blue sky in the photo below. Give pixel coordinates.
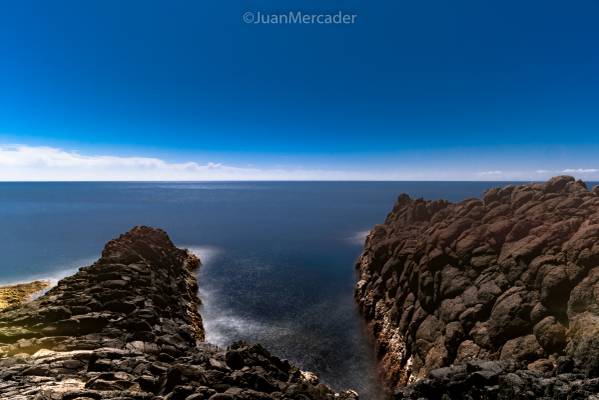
(413, 90)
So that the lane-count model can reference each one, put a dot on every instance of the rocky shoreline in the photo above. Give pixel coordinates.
(487, 299)
(128, 327)
(484, 299)
(14, 295)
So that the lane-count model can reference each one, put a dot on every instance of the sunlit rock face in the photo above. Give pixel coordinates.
(512, 279)
(128, 327)
(13, 295)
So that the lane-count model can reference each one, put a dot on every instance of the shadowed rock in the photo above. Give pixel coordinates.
(512, 279)
(128, 327)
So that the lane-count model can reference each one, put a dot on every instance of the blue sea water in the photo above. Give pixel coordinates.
(278, 257)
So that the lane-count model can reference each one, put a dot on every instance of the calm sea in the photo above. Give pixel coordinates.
(278, 257)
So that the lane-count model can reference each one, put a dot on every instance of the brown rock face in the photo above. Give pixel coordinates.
(512, 277)
(128, 327)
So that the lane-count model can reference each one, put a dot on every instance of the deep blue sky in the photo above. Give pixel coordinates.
(437, 86)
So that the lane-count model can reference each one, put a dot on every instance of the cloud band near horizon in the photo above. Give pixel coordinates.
(42, 163)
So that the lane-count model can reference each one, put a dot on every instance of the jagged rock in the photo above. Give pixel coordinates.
(128, 327)
(512, 277)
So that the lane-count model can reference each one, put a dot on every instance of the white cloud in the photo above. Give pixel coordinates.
(581, 173)
(36, 163)
(580, 170)
(487, 173)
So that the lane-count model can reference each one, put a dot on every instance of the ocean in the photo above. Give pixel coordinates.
(278, 257)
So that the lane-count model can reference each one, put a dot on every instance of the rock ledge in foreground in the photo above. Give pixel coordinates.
(128, 327)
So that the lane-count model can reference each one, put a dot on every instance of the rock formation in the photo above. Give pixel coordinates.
(128, 327)
(13, 295)
(491, 298)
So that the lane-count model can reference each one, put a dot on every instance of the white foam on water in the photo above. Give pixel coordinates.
(359, 237)
(223, 326)
(206, 253)
(52, 277)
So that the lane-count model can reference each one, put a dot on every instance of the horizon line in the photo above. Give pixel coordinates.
(291, 181)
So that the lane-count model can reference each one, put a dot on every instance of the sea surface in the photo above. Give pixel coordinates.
(278, 257)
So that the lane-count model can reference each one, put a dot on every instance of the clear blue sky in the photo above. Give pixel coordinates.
(414, 89)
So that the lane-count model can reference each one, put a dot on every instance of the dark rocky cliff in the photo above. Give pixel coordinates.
(128, 327)
(491, 298)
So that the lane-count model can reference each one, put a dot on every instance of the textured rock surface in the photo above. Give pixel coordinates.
(128, 327)
(512, 278)
(13, 295)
